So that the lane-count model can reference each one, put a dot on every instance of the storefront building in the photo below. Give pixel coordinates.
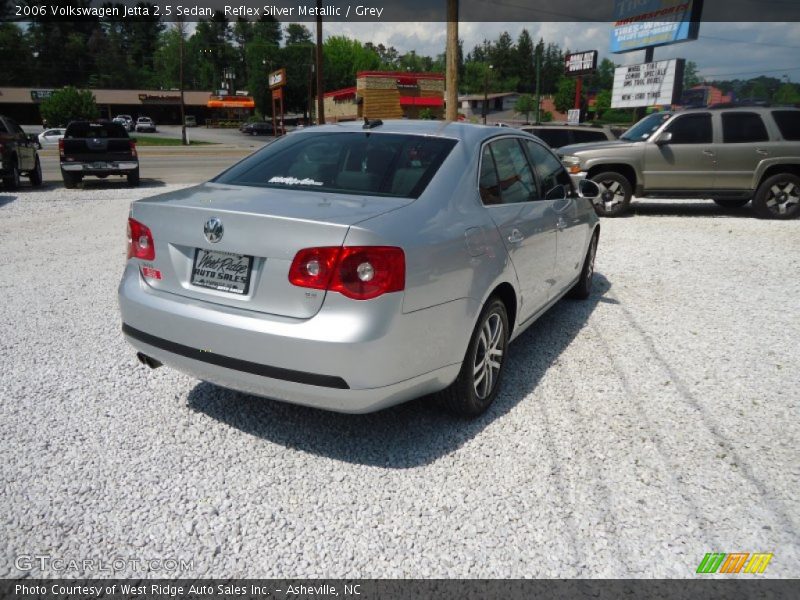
(387, 95)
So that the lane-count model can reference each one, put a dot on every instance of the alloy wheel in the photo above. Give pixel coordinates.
(488, 356)
(611, 193)
(783, 197)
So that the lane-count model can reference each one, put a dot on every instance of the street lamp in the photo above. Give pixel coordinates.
(486, 92)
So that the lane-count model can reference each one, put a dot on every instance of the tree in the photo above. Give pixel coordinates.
(525, 60)
(690, 76)
(69, 104)
(297, 34)
(787, 94)
(602, 103)
(525, 105)
(565, 95)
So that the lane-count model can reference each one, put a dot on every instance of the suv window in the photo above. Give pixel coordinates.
(691, 129)
(12, 127)
(548, 168)
(788, 122)
(555, 138)
(582, 137)
(368, 163)
(82, 129)
(740, 128)
(514, 175)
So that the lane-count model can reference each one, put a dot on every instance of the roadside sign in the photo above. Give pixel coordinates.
(574, 116)
(277, 79)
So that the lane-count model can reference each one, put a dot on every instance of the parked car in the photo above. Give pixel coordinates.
(360, 266)
(50, 137)
(730, 154)
(258, 128)
(556, 136)
(125, 120)
(145, 124)
(99, 150)
(18, 155)
(190, 121)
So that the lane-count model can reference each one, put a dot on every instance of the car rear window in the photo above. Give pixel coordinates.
(95, 130)
(788, 122)
(555, 138)
(582, 137)
(368, 163)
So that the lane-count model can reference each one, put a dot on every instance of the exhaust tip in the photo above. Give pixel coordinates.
(147, 360)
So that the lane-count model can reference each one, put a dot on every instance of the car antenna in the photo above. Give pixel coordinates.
(371, 124)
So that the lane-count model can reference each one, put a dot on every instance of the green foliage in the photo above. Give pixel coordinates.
(619, 115)
(690, 76)
(787, 94)
(564, 98)
(602, 103)
(297, 34)
(344, 57)
(526, 104)
(427, 114)
(546, 116)
(69, 104)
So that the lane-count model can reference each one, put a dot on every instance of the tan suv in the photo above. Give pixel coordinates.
(729, 154)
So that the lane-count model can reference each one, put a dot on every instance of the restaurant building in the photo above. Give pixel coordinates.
(387, 95)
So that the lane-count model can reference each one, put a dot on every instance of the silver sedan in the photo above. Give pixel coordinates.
(353, 267)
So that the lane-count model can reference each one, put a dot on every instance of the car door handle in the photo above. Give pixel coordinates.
(516, 237)
(708, 153)
(762, 152)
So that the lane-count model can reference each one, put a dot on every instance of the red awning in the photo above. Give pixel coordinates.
(421, 101)
(407, 81)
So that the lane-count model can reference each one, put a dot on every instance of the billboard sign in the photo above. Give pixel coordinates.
(277, 79)
(643, 23)
(648, 84)
(581, 63)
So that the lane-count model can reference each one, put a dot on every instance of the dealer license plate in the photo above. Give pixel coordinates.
(223, 271)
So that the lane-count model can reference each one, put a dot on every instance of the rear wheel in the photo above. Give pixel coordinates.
(582, 289)
(71, 180)
(11, 181)
(133, 178)
(36, 175)
(478, 382)
(731, 203)
(615, 194)
(778, 197)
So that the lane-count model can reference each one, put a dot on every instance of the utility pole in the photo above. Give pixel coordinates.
(451, 69)
(486, 92)
(538, 83)
(180, 27)
(310, 84)
(320, 89)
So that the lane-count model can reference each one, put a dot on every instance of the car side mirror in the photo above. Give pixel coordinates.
(588, 189)
(664, 138)
(557, 193)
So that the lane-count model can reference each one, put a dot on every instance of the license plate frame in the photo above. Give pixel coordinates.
(219, 264)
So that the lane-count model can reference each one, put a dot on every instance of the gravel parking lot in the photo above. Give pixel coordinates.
(635, 432)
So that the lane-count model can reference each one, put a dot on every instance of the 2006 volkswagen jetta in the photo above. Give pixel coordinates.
(352, 267)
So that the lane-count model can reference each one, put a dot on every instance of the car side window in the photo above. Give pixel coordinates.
(549, 170)
(555, 138)
(691, 129)
(489, 189)
(740, 128)
(788, 121)
(582, 137)
(514, 175)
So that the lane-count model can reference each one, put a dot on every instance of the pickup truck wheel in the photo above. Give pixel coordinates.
(133, 178)
(478, 382)
(11, 182)
(731, 203)
(615, 194)
(778, 197)
(71, 180)
(36, 175)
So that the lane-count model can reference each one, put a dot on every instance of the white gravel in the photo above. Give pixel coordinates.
(635, 432)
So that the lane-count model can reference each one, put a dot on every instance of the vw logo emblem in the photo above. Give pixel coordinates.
(213, 230)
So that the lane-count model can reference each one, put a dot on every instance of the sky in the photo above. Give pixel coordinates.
(723, 50)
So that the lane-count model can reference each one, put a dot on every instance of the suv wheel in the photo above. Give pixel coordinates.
(477, 383)
(778, 197)
(615, 194)
(731, 202)
(36, 175)
(11, 182)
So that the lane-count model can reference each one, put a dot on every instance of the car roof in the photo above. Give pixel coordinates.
(467, 132)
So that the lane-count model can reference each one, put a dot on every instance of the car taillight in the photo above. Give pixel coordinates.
(133, 149)
(140, 241)
(61, 147)
(358, 272)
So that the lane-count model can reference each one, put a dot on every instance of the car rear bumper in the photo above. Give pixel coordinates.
(341, 359)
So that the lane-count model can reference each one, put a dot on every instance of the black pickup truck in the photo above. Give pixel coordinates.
(97, 149)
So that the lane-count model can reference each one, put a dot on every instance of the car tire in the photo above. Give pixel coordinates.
(583, 288)
(35, 176)
(731, 202)
(778, 197)
(71, 180)
(615, 194)
(133, 178)
(11, 181)
(478, 382)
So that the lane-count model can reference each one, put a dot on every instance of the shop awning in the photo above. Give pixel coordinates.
(421, 101)
(231, 102)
